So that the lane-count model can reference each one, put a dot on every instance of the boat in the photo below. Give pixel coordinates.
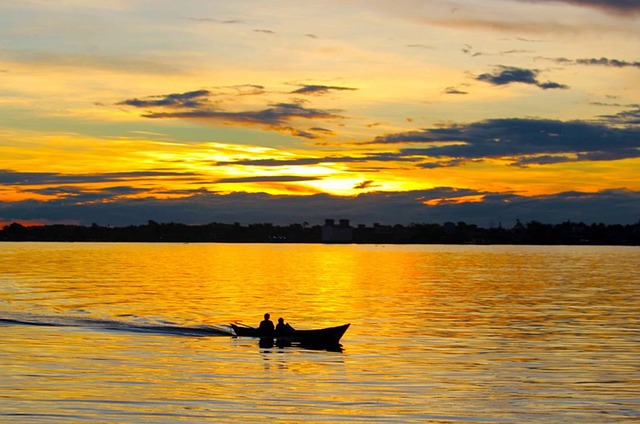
(318, 337)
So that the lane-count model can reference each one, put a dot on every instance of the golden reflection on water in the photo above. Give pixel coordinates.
(449, 333)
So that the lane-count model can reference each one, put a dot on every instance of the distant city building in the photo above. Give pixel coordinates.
(340, 233)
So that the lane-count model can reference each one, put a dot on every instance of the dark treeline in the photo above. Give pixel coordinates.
(567, 233)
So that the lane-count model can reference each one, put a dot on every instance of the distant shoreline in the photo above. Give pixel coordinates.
(532, 233)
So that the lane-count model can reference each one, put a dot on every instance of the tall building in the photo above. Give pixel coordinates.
(340, 233)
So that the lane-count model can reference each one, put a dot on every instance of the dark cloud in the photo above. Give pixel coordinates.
(321, 130)
(589, 156)
(504, 75)
(264, 31)
(519, 138)
(198, 99)
(79, 195)
(614, 155)
(618, 7)
(542, 160)
(365, 184)
(522, 141)
(319, 89)
(437, 205)
(551, 85)
(191, 99)
(603, 61)
(507, 75)
(76, 191)
(626, 117)
(442, 164)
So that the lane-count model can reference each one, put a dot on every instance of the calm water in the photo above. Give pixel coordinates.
(438, 334)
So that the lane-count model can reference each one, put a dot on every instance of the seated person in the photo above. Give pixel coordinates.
(282, 328)
(266, 326)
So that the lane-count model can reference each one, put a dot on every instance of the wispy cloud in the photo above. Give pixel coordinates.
(454, 90)
(370, 157)
(420, 46)
(8, 177)
(79, 195)
(197, 105)
(603, 61)
(365, 185)
(277, 117)
(319, 89)
(618, 7)
(468, 50)
(216, 21)
(194, 99)
(270, 179)
(129, 64)
(504, 75)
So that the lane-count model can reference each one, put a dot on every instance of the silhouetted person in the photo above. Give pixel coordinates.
(282, 328)
(266, 326)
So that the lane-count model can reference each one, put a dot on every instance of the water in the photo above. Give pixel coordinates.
(114, 333)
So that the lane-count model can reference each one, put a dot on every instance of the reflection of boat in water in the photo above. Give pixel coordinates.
(322, 337)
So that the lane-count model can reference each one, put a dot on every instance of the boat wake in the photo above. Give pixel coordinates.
(164, 328)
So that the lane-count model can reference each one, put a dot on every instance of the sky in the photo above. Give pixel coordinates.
(117, 112)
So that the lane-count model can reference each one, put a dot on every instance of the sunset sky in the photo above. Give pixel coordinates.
(484, 111)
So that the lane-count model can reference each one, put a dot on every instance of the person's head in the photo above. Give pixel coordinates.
(267, 316)
(280, 320)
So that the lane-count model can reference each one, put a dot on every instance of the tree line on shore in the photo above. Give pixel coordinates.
(566, 233)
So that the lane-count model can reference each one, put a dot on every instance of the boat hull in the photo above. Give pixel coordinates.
(319, 337)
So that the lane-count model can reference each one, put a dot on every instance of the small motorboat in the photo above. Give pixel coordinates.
(319, 337)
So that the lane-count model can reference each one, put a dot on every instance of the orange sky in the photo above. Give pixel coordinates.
(113, 103)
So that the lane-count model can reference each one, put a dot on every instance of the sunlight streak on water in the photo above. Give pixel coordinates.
(439, 333)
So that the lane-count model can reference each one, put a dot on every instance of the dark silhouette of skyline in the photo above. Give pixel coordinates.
(566, 233)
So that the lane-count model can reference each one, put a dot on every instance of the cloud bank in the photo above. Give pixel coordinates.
(525, 141)
(437, 205)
